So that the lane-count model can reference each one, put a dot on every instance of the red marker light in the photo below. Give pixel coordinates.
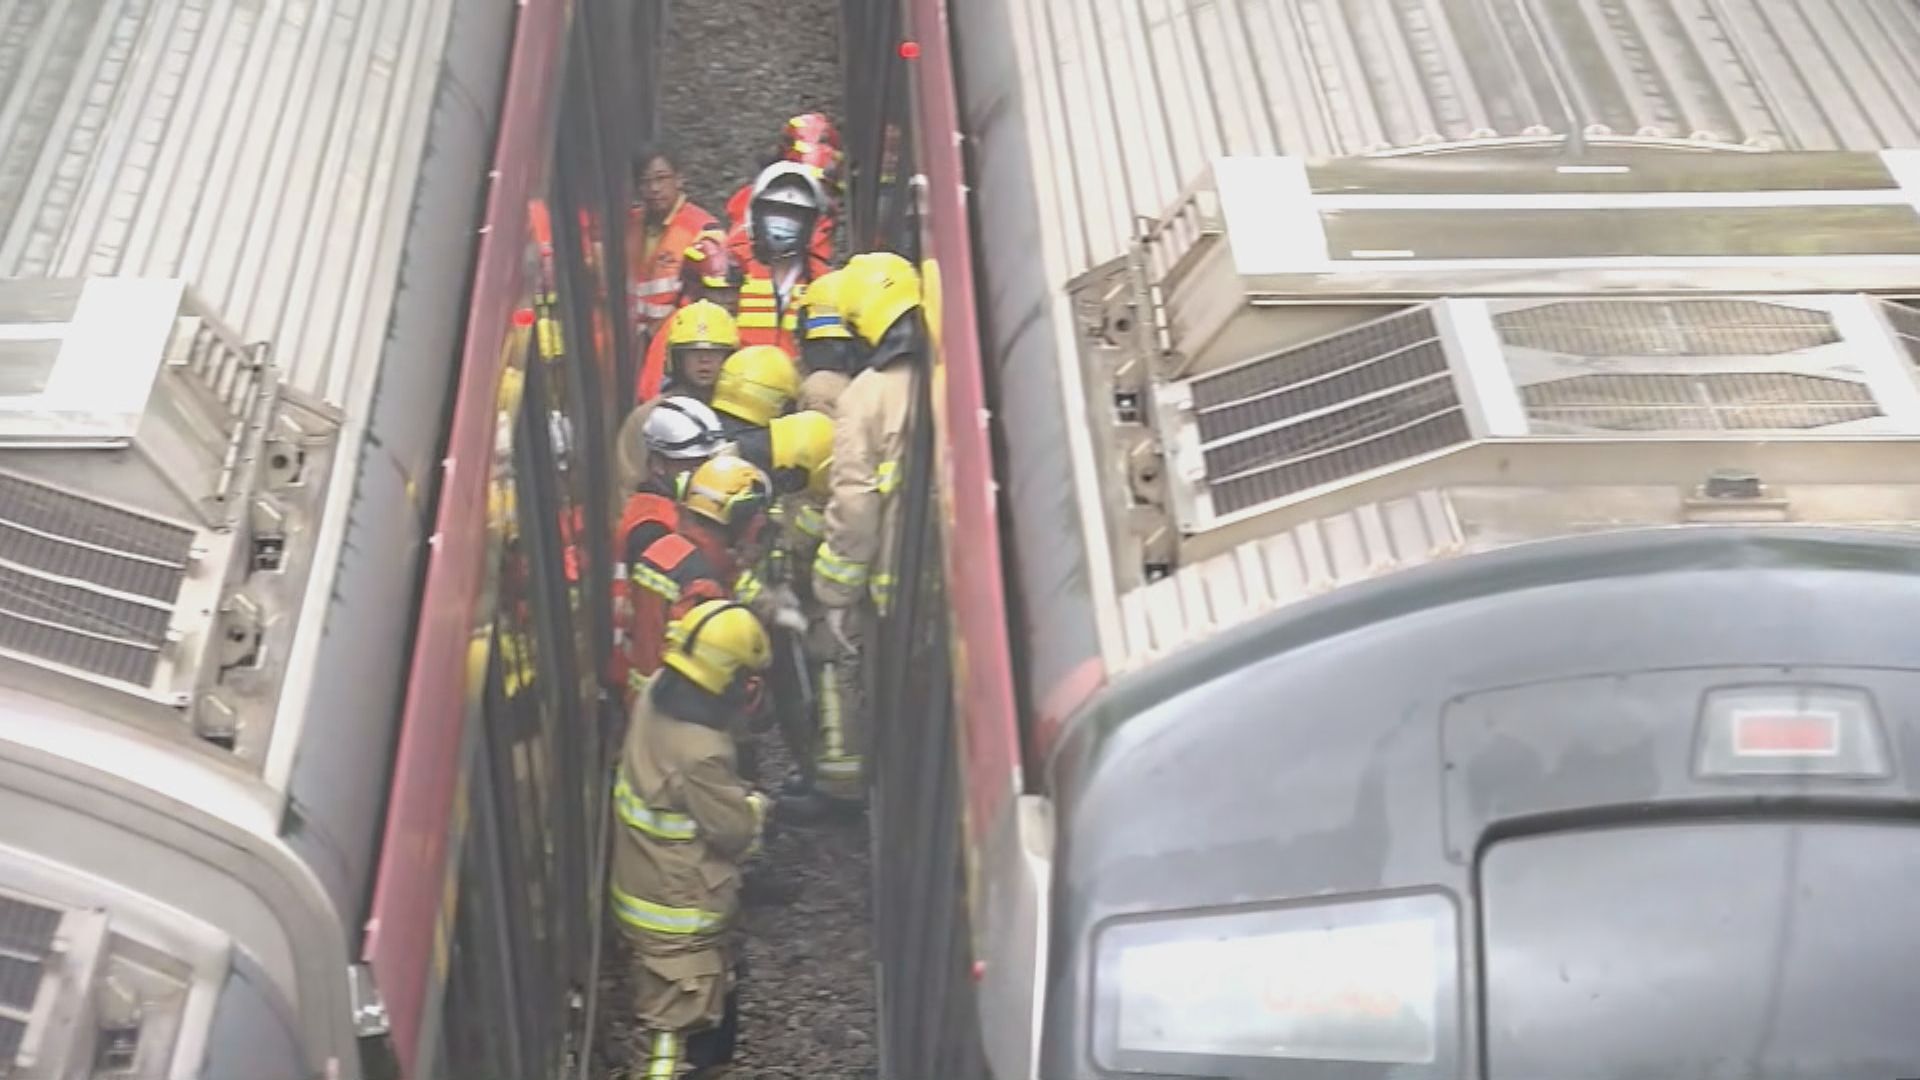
(909, 50)
(979, 970)
(1767, 734)
(523, 318)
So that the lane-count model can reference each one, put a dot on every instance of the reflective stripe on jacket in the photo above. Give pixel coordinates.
(687, 821)
(654, 259)
(869, 439)
(647, 516)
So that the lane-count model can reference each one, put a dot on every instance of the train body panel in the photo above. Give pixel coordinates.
(1252, 361)
(290, 190)
(1087, 123)
(1394, 745)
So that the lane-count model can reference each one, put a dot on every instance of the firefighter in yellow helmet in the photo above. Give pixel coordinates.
(686, 359)
(853, 567)
(755, 385)
(686, 822)
(828, 352)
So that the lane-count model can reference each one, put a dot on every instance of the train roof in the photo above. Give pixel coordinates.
(1298, 293)
(203, 210)
(1130, 103)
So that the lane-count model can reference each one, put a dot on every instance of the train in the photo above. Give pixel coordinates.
(1418, 524)
(1408, 528)
(313, 314)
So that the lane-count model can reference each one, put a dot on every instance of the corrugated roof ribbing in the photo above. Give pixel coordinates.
(265, 151)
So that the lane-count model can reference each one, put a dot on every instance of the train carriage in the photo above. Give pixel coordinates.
(309, 311)
(1455, 461)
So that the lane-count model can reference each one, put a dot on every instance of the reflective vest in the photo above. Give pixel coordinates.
(647, 516)
(653, 263)
(762, 319)
(670, 577)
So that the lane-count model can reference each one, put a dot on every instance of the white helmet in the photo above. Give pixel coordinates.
(682, 428)
(789, 183)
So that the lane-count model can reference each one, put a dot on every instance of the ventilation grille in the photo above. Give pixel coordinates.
(1742, 401)
(1667, 328)
(1906, 326)
(84, 585)
(26, 937)
(1326, 411)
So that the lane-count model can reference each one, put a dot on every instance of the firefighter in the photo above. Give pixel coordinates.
(771, 248)
(707, 273)
(661, 444)
(808, 702)
(828, 353)
(698, 339)
(811, 140)
(755, 385)
(687, 822)
(722, 527)
(659, 231)
(852, 569)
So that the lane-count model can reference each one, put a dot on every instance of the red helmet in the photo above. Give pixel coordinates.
(810, 139)
(806, 131)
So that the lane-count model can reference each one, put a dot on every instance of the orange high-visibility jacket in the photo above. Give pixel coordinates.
(653, 260)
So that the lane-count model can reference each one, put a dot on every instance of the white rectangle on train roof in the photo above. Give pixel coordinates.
(1278, 226)
(1267, 204)
(83, 381)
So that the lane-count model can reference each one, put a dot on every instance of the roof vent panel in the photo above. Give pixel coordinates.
(1651, 402)
(1320, 413)
(155, 539)
(1667, 328)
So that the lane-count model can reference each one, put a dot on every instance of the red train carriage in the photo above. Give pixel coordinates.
(1453, 470)
(304, 446)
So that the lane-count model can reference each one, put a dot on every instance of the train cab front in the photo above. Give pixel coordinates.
(1634, 805)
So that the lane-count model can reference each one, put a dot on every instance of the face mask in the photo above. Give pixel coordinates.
(782, 234)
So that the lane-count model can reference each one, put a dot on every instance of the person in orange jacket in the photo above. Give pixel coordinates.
(809, 139)
(660, 229)
(771, 248)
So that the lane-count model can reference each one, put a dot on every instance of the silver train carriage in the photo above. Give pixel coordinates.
(1459, 462)
(266, 268)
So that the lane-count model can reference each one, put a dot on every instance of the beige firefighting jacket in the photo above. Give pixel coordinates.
(869, 440)
(821, 391)
(688, 822)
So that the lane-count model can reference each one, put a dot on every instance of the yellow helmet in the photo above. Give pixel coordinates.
(727, 490)
(821, 316)
(714, 642)
(702, 323)
(803, 444)
(757, 384)
(884, 287)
